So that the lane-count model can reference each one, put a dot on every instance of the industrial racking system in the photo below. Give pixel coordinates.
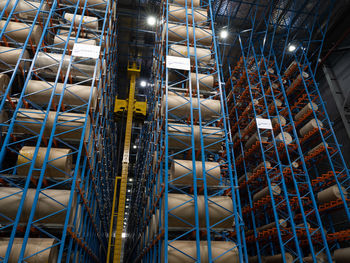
(293, 181)
(57, 158)
(184, 204)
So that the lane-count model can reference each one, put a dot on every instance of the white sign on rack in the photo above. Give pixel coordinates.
(86, 51)
(264, 123)
(178, 63)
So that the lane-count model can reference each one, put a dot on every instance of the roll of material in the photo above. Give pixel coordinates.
(279, 259)
(185, 251)
(261, 165)
(19, 32)
(95, 4)
(4, 81)
(205, 82)
(178, 14)
(59, 162)
(179, 33)
(40, 92)
(276, 190)
(60, 41)
(203, 54)
(244, 131)
(196, 3)
(180, 107)
(291, 68)
(304, 110)
(278, 102)
(154, 225)
(281, 222)
(320, 258)
(70, 124)
(49, 202)
(255, 259)
(342, 255)
(242, 178)
(88, 22)
(317, 148)
(281, 121)
(24, 9)
(82, 34)
(331, 194)
(287, 138)
(49, 63)
(182, 206)
(180, 137)
(38, 246)
(308, 127)
(181, 172)
(9, 57)
(297, 82)
(253, 139)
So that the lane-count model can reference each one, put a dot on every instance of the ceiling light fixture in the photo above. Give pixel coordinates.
(151, 20)
(223, 34)
(143, 83)
(292, 48)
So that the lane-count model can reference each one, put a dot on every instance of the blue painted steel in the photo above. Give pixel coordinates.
(256, 58)
(93, 152)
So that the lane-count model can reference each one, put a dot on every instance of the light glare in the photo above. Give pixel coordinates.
(224, 34)
(151, 20)
(143, 84)
(292, 48)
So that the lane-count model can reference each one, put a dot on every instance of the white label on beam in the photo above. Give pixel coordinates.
(264, 123)
(86, 51)
(178, 63)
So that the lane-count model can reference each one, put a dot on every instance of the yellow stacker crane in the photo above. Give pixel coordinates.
(139, 108)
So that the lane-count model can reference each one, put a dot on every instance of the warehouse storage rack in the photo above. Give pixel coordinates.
(293, 180)
(185, 204)
(57, 146)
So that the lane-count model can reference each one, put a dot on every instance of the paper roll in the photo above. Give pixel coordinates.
(180, 137)
(19, 32)
(59, 161)
(38, 250)
(330, 194)
(49, 202)
(9, 58)
(88, 22)
(180, 107)
(178, 14)
(304, 110)
(40, 92)
(176, 33)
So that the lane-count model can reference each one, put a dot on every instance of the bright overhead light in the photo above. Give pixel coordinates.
(130, 180)
(143, 83)
(124, 235)
(223, 34)
(291, 48)
(134, 146)
(151, 20)
(129, 190)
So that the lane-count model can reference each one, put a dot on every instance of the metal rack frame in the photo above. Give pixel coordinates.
(164, 142)
(271, 83)
(80, 234)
